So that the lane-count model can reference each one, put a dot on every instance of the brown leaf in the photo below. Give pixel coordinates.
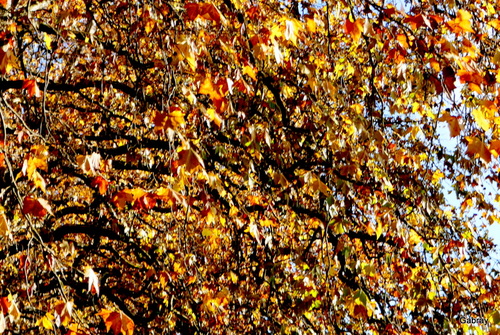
(190, 159)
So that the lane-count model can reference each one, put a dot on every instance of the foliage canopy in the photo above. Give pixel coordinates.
(248, 166)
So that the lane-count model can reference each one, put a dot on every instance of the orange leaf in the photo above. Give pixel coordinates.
(354, 28)
(100, 183)
(147, 202)
(32, 88)
(63, 311)
(7, 59)
(117, 321)
(403, 40)
(121, 198)
(415, 21)
(495, 147)
(208, 88)
(173, 119)
(495, 24)
(37, 207)
(477, 147)
(206, 11)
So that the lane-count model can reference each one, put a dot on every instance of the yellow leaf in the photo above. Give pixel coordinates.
(379, 230)
(495, 24)
(208, 88)
(234, 277)
(4, 224)
(48, 40)
(46, 321)
(437, 176)
(39, 181)
(311, 25)
(414, 238)
(461, 24)
(214, 117)
(248, 70)
(186, 53)
(402, 40)
(481, 119)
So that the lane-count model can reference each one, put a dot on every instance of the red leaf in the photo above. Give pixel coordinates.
(37, 207)
(4, 305)
(32, 88)
(354, 28)
(100, 183)
(449, 78)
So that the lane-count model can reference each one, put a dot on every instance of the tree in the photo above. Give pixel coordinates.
(248, 167)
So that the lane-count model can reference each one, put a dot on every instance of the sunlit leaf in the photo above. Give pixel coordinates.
(118, 322)
(476, 147)
(354, 28)
(461, 24)
(93, 281)
(190, 160)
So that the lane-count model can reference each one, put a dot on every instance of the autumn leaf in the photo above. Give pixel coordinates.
(214, 117)
(7, 59)
(495, 147)
(476, 147)
(206, 11)
(31, 88)
(292, 29)
(354, 28)
(89, 163)
(173, 119)
(118, 322)
(37, 207)
(4, 224)
(5, 305)
(36, 159)
(454, 124)
(449, 78)
(495, 24)
(481, 119)
(186, 52)
(46, 321)
(121, 198)
(93, 281)
(461, 24)
(63, 313)
(100, 183)
(207, 87)
(416, 21)
(190, 160)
